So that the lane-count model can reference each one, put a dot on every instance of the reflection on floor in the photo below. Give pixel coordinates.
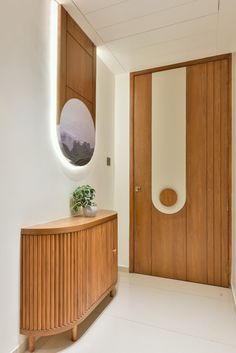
(155, 315)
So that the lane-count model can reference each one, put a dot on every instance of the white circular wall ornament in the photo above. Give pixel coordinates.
(76, 133)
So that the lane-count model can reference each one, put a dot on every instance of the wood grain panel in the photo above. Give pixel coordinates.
(210, 173)
(217, 174)
(225, 170)
(45, 285)
(115, 251)
(142, 173)
(193, 244)
(77, 64)
(217, 142)
(169, 244)
(79, 77)
(70, 224)
(65, 275)
(79, 35)
(196, 174)
(72, 94)
(100, 261)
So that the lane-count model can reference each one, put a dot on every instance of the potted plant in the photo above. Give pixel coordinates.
(83, 197)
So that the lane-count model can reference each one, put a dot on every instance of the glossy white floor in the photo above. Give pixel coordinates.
(155, 315)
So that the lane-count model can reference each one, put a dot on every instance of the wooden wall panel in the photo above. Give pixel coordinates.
(208, 173)
(72, 94)
(79, 73)
(77, 64)
(196, 174)
(217, 175)
(79, 35)
(142, 173)
(225, 169)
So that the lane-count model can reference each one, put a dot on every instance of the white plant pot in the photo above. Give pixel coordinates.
(90, 211)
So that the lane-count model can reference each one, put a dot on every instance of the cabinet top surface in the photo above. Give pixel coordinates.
(70, 224)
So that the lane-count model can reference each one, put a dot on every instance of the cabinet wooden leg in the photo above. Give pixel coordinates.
(31, 343)
(74, 333)
(113, 292)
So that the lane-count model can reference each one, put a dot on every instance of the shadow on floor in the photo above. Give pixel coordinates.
(61, 341)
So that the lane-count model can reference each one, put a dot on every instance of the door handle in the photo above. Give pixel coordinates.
(138, 188)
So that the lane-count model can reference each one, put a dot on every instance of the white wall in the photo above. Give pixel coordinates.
(33, 186)
(122, 164)
(233, 279)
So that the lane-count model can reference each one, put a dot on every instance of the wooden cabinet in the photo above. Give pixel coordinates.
(101, 261)
(67, 268)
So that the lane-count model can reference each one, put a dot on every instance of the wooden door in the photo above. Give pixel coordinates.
(192, 244)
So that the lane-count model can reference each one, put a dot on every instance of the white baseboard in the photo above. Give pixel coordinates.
(123, 269)
(234, 293)
(21, 348)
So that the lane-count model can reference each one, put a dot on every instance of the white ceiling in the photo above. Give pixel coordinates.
(139, 34)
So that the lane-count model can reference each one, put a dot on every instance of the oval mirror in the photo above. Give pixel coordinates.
(76, 133)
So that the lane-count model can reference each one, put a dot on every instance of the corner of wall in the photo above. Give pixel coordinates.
(121, 198)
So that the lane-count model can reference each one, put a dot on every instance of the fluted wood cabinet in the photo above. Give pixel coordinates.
(67, 268)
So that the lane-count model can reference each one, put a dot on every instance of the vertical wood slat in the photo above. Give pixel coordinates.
(61, 267)
(52, 281)
(43, 283)
(48, 279)
(54, 275)
(40, 280)
(31, 283)
(115, 253)
(84, 269)
(142, 176)
(57, 274)
(68, 278)
(196, 174)
(23, 284)
(225, 198)
(76, 275)
(35, 281)
(27, 277)
(217, 167)
(210, 172)
(72, 314)
(65, 289)
(217, 174)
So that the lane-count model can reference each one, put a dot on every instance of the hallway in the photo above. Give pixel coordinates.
(156, 315)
